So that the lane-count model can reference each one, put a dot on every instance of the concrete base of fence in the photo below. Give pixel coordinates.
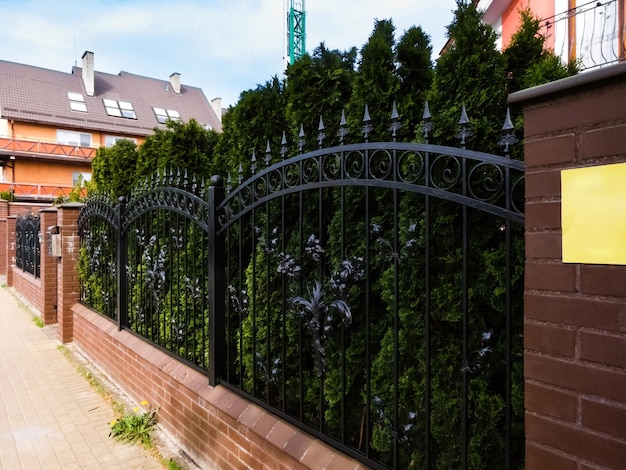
(213, 425)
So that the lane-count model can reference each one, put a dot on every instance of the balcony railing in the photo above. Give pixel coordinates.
(37, 191)
(592, 33)
(45, 148)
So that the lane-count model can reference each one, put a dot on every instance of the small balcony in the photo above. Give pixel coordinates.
(591, 33)
(44, 149)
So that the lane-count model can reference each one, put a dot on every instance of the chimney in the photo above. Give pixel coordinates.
(216, 104)
(175, 82)
(88, 73)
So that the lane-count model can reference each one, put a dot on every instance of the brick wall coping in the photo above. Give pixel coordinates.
(569, 84)
(307, 450)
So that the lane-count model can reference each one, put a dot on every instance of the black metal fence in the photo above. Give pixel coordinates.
(369, 293)
(27, 246)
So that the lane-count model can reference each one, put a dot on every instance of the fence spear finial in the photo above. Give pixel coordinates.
(427, 125)
(395, 121)
(465, 131)
(507, 138)
(343, 127)
(320, 135)
(367, 127)
(253, 165)
(301, 138)
(283, 146)
(268, 154)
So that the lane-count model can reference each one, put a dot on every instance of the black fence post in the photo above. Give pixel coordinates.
(216, 285)
(121, 263)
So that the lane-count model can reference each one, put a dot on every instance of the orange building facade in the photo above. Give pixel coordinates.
(52, 123)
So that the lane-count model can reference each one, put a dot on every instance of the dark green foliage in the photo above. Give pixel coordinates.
(115, 168)
(376, 83)
(258, 117)
(528, 63)
(181, 146)
(323, 80)
(470, 72)
(7, 196)
(415, 72)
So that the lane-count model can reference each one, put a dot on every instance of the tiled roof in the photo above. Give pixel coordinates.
(38, 95)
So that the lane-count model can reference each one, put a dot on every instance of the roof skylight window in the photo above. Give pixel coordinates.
(77, 101)
(119, 108)
(163, 115)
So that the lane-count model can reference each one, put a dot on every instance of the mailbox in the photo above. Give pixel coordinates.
(54, 241)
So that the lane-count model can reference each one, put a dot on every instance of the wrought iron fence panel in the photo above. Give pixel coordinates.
(27, 246)
(97, 264)
(374, 299)
(166, 298)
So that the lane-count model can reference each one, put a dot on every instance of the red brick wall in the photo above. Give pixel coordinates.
(575, 314)
(211, 424)
(68, 281)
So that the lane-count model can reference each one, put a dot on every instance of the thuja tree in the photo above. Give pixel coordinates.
(166, 276)
(528, 62)
(317, 85)
(258, 116)
(463, 293)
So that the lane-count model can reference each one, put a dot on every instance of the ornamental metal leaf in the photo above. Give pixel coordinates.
(326, 299)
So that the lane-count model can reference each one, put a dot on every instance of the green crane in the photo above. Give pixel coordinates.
(296, 33)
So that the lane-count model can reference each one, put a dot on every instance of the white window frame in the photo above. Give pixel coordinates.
(85, 174)
(162, 115)
(75, 138)
(123, 109)
(110, 140)
(77, 101)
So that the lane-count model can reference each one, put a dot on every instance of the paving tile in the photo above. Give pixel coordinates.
(50, 417)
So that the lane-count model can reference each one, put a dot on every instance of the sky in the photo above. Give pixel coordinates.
(224, 47)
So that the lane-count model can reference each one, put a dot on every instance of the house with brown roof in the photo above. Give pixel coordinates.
(52, 123)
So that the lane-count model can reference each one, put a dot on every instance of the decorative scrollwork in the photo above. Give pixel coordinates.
(410, 167)
(354, 165)
(445, 172)
(485, 181)
(331, 169)
(476, 361)
(310, 170)
(380, 164)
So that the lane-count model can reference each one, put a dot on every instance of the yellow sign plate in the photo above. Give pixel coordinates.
(593, 214)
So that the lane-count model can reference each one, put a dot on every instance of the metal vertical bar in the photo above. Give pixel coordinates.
(322, 241)
(122, 261)
(465, 417)
(217, 288)
(283, 358)
(300, 332)
(267, 303)
(509, 370)
(396, 323)
(342, 235)
(427, 393)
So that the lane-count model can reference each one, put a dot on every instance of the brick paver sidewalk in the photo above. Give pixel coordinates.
(50, 417)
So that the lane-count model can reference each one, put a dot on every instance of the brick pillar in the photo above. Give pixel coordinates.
(48, 269)
(4, 213)
(10, 247)
(68, 284)
(574, 313)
